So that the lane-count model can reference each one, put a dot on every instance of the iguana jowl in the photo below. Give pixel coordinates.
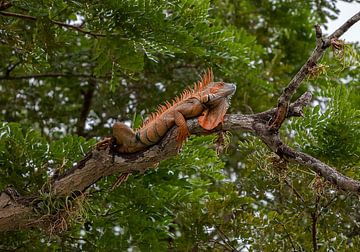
(208, 101)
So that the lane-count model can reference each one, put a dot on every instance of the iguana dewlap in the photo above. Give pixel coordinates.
(208, 101)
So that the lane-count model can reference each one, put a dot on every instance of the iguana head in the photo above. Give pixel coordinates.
(215, 92)
(215, 98)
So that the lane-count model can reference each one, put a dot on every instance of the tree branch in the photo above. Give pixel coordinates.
(327, 172)
(87, 99)
(10, 68)
(346, 26)
(321, 46)
(101, 162)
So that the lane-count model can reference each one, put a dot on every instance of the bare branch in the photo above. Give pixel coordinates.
(342, 29)
(321, 46)
(23, 16)
(330, 174)
(298, 195)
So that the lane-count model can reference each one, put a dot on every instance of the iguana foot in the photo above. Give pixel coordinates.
(103, 144)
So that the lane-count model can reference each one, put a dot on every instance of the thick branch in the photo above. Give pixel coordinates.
(101, 163)
(327, 172)
(12, 214)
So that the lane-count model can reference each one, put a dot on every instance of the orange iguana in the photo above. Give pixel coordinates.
(208, 101)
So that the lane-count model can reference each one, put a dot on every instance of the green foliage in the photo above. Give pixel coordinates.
(77, 66)
(23, 157)
(331, 133)
(164, 206)
(27, 159)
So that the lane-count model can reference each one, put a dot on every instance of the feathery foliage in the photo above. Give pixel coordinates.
(70, 69)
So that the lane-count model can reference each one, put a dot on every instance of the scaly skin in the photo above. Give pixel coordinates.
(208, 101)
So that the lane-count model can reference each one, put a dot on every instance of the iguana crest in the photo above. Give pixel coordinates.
(186, 94)
(207, 100)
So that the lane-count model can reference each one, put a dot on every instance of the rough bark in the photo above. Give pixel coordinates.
(13, 215)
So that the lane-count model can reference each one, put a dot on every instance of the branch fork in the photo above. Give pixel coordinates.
(321, 45)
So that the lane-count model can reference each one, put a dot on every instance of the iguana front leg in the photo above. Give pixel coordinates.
(180, 121)
(103, 144)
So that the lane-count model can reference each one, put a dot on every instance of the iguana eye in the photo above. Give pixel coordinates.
(205, 99)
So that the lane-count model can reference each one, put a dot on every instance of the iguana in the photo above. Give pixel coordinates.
(208, 101)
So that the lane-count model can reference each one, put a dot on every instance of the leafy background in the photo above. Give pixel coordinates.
(61, 90)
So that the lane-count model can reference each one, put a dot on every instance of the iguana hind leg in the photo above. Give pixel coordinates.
(124, 136)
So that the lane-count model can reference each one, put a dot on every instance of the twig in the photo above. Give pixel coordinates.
(288, 235)
(314, 217)
(298, 195)
(123, 177)
(81, 239)
(329, 203)
(74, 27)
(52, 75)
(224, 246)
(225, 239)
(10, 68)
